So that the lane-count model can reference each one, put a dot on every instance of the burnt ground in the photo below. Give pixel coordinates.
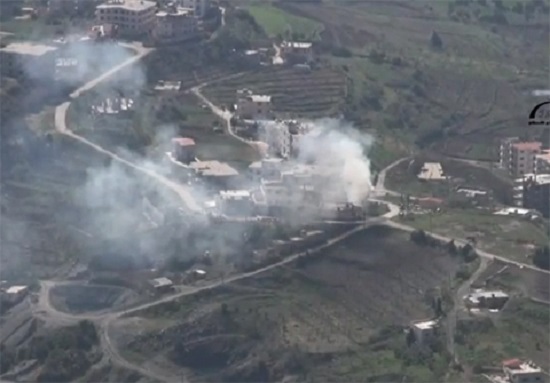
(312, 319)
(78, 298)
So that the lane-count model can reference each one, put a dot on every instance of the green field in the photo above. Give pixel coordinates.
(277, 22)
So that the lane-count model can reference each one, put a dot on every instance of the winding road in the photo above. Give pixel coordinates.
(104, 320)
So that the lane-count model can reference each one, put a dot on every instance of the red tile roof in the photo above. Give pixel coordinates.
(183, 141)
(535, 145)
(511, 363)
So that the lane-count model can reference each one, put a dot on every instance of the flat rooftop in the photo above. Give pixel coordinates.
(426, 325)
(160, 282)
(235, 194)
(297, 45)
(175, 13)
(130, 5)
(27, 48)
(431, 171)
(15, 289)
(213, 168)
(260, 98)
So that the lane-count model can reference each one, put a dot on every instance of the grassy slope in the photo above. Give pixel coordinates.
(276, 22)
(502, 235)
(472, 91)
(336, 304)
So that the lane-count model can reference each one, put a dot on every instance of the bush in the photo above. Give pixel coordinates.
(541, 258)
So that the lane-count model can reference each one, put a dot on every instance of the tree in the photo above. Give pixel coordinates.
(436, 41)
(541, 258)
(411, 337)
(451, 247)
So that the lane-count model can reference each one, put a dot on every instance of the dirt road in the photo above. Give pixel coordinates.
(226, 116)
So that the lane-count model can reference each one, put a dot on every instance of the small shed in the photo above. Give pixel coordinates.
(162, 284)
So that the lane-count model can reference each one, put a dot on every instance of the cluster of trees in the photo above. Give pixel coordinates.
(541, 258)
(466, 252)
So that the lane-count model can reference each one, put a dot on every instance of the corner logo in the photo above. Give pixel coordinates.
(540, 115)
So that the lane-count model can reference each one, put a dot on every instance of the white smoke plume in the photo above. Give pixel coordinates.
(335, 145)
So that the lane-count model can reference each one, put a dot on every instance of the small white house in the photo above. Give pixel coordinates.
(15, 294)
(424, 330)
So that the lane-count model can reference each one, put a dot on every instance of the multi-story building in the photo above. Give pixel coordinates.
(25, 60)
(199, 7)
(536, 194)
(277, 136)
(175, 25)
(184, 149)
(517, 371)
(542, 162)
(253, 106)
(132, 17)
(518, 157)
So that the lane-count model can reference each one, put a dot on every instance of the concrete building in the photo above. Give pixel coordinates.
(536, 194)
(184, 149)
(253, 106)
(493, 300)
(424, 331)
(162, 285)
(478, 196)
(174, 26)
(217, 173)
(517, 371)
(236, 202)
(518, 157)
(199, 7)
(297, 52)
(15, 294)
(542, 162)
(27, 60)
(277, 136)
(132, 17)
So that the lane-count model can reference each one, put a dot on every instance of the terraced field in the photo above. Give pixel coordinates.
(295, 92)
(287, 321)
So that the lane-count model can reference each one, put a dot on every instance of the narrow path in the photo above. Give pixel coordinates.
(226, 116)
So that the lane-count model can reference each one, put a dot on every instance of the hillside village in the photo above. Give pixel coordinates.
(241, 190)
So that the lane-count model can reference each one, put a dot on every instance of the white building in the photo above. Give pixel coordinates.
(162, 284)
(132, 17)
(237, 202)
(199, 7)
(15, 294)
(522, 372)
(424, 330)
(175, 26)
(277, 136)
(253, 106)
(295, 52)
(28, 60)
(487, 299)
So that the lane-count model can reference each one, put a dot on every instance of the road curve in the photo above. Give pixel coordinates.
(226, 117)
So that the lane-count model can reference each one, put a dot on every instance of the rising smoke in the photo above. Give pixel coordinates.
(335, 145)
(136, 212)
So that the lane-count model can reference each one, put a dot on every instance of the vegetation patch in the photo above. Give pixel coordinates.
(277, 22)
